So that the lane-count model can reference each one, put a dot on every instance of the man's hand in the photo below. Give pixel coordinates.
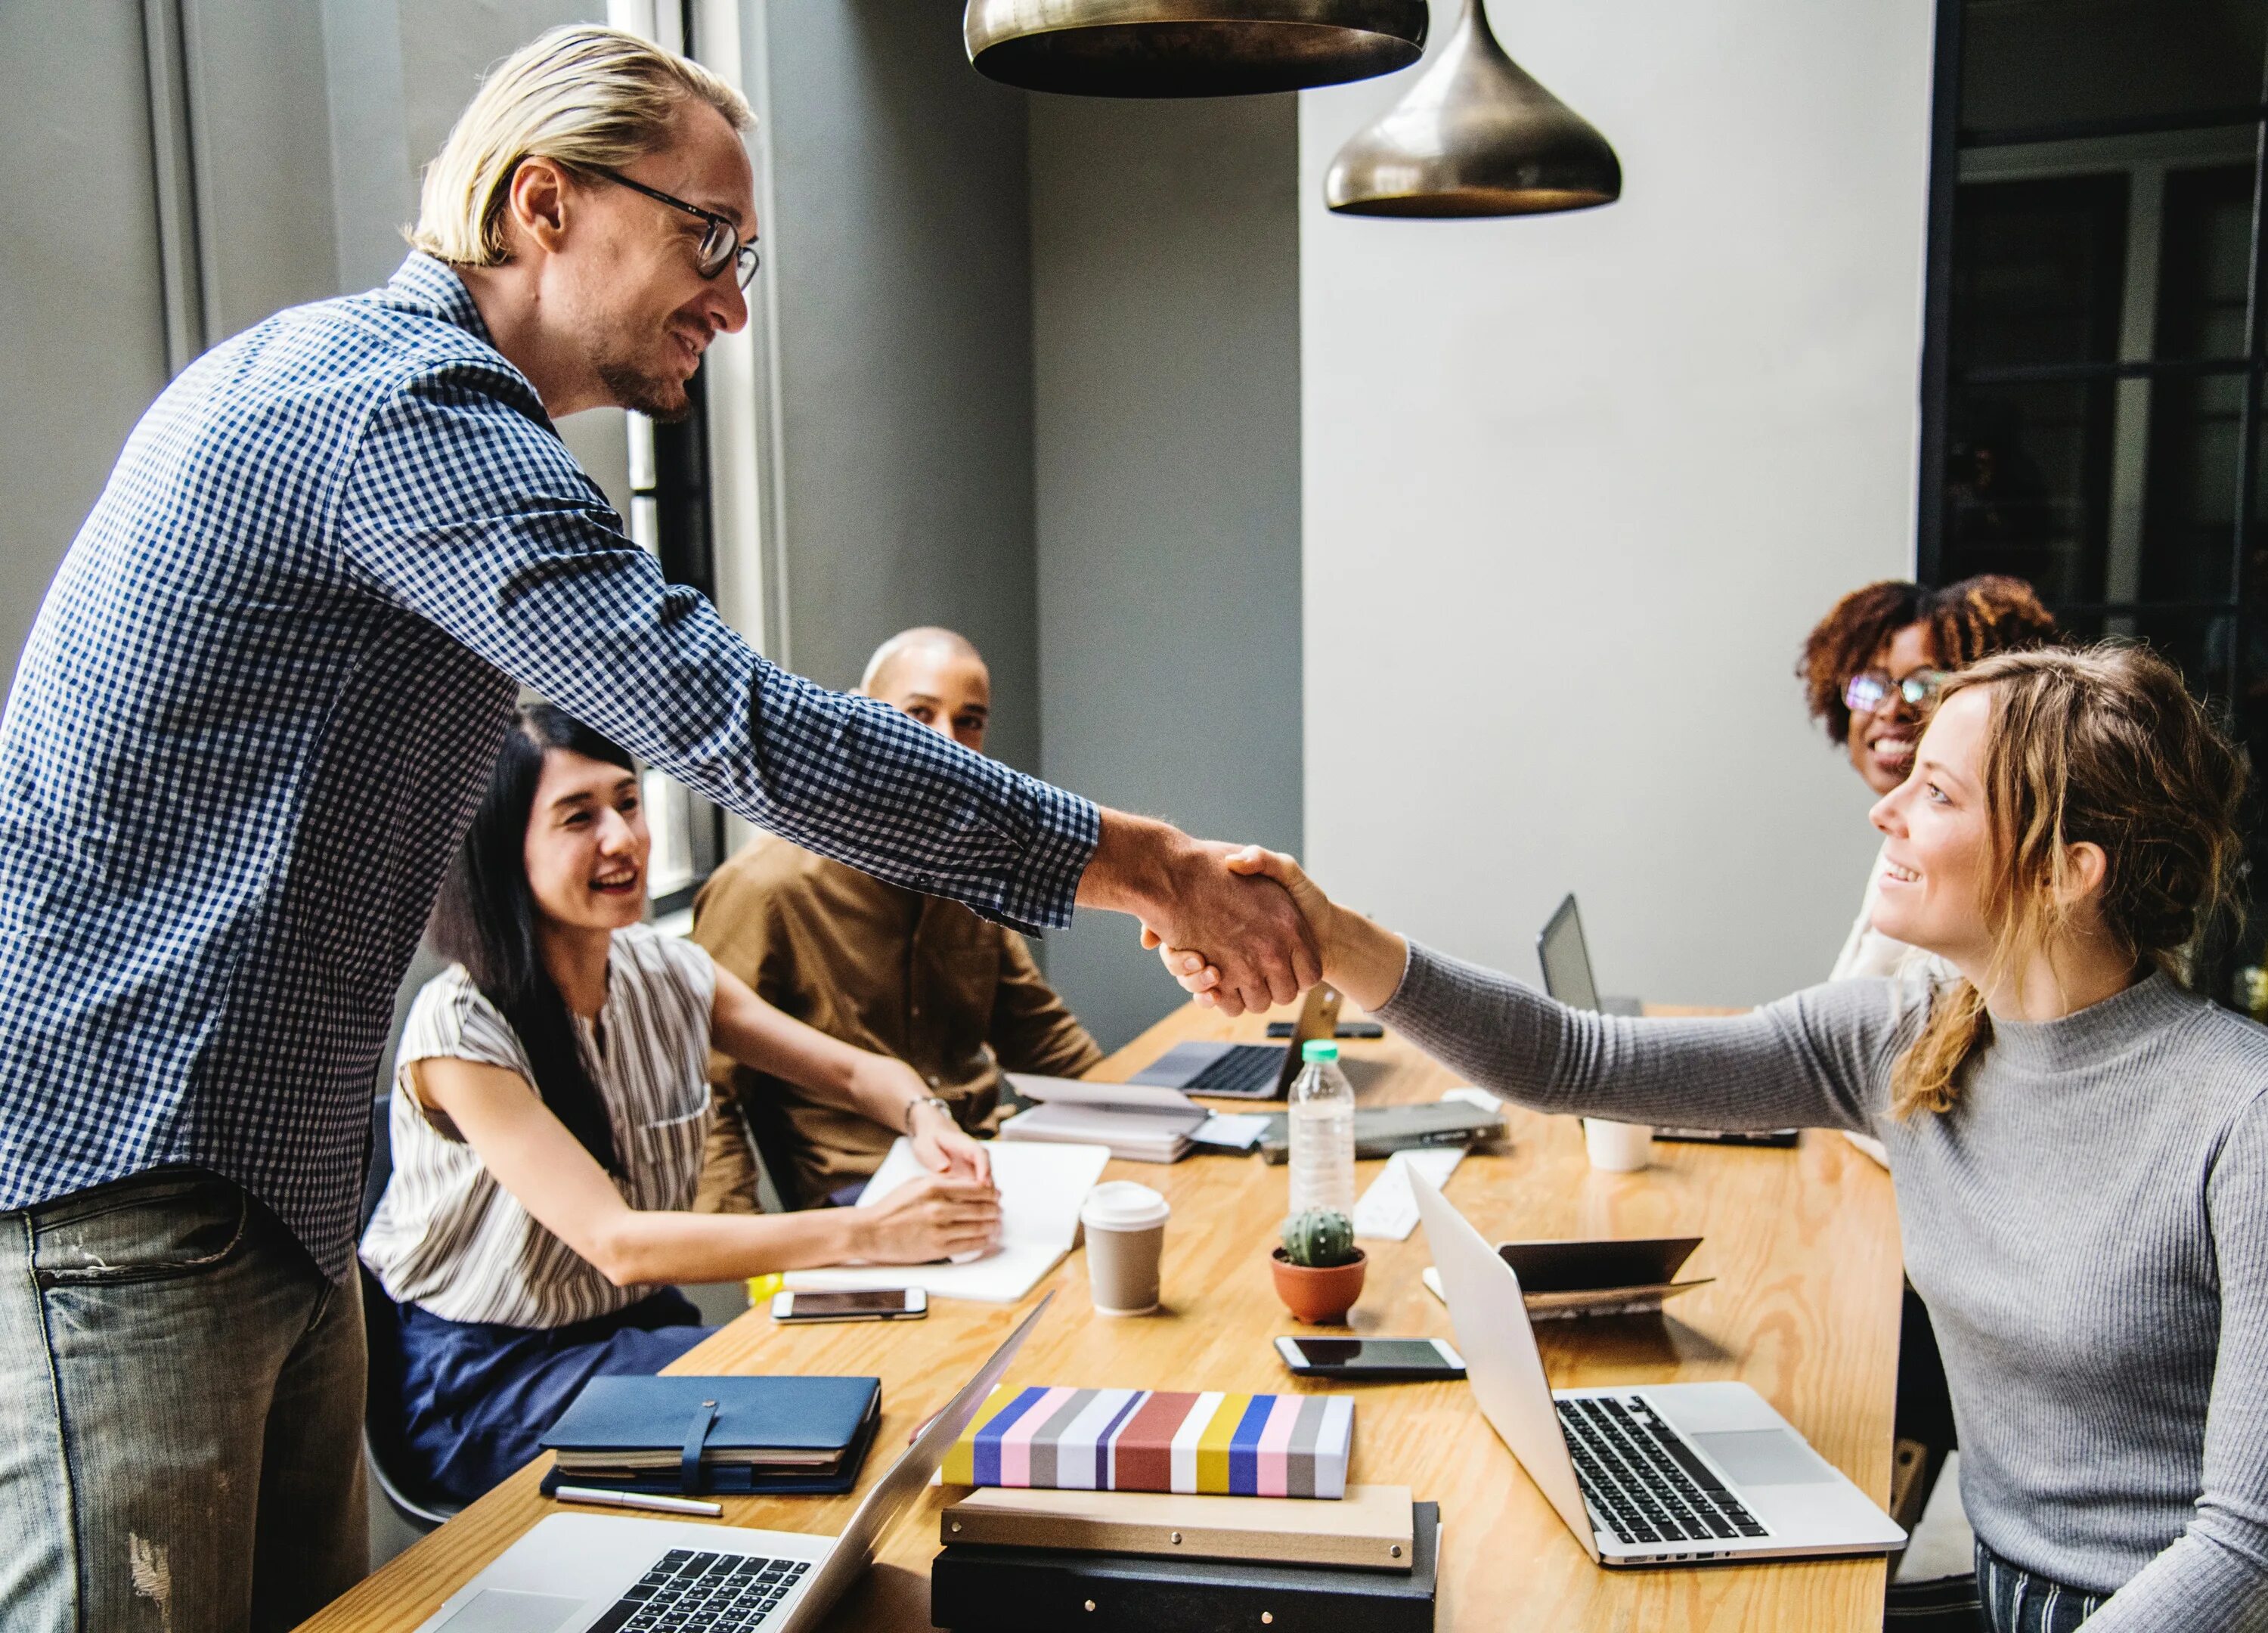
(1363, 960)
(1184, 893)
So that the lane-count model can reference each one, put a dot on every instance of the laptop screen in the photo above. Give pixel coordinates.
(1566, 961)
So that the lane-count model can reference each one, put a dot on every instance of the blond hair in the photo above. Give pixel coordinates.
(581, 95)
(2101, 745)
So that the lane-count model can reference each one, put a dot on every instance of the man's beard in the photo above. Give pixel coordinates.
(662, 398)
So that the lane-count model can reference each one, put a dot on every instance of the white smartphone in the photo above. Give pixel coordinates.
(1371, 1357)
(876, 1304)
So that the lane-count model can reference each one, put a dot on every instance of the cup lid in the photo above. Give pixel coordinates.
(1124, 1205)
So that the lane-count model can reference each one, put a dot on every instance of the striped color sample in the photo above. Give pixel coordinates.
(1157, 1440)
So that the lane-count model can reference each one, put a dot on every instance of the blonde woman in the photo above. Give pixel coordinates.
(2079, 1145)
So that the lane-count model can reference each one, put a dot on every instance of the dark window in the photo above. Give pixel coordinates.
(2092, 381)
(672, 488)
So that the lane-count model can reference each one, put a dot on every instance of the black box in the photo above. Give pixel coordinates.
(1043, 1590)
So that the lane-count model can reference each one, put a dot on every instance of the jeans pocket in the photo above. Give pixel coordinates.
(158, 1226)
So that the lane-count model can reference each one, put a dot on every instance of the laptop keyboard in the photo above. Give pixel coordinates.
(1644, 1482)
(688, 1590)
(1248, 1069)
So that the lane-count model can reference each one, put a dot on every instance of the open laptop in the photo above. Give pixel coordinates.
(591, 1573)
(1653, 1475)
(1567, 960)
(1258, 1071)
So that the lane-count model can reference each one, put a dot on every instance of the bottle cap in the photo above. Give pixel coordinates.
(1319, 1048)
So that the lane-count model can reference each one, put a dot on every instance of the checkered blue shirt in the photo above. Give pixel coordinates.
(259, 707)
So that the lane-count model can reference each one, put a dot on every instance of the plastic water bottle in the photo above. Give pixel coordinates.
(1321, 1118)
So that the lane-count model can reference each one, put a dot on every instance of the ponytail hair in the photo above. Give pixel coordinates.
(486, 915)
(2103, 746)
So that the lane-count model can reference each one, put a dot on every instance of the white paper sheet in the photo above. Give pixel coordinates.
(1041, 1188)
(1240, 1129)
(1387, 1211)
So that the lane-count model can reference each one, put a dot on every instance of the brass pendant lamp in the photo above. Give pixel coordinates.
(1477, 136)
(1190, 47)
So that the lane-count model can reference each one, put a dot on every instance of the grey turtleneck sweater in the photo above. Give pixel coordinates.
(2088, 1226)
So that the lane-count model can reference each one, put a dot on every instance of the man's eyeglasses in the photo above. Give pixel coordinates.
(720, 245)
(1863, 694)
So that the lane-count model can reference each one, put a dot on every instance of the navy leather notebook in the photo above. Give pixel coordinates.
(720, 1434)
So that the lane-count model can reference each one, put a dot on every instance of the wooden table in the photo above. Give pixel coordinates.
(1803, 1246)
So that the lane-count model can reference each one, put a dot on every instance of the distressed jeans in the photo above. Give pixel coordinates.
(181, 1414)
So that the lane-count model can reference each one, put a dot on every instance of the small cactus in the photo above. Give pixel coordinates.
(1318, 1239)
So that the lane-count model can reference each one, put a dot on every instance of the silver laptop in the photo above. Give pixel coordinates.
(591, 1573)
(1567, 960)
(1258, 1071)
(1655, 1474)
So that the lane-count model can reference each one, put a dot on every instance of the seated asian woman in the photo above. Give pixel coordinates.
(2079, 1144)
(550, 1111)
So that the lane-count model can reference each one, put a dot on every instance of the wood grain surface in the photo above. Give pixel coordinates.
(1802, 1243)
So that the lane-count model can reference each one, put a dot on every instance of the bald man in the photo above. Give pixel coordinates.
(880, 966)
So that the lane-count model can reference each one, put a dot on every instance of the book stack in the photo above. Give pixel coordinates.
(750, 1434)
(1157, 1440)
(1137, 1123)
(1139, 1561)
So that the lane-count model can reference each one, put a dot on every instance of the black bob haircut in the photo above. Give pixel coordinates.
(485, 920)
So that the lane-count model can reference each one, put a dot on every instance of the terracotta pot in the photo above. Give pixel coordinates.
(1319, 1296)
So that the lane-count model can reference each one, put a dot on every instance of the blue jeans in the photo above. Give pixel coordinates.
(480, 1397)
(181, 1414)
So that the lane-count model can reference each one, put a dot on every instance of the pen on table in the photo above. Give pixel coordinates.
(638, 1499)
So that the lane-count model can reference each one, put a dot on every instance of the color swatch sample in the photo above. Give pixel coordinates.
(1157, 1440)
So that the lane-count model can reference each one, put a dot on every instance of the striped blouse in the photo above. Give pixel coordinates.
(447, 1237)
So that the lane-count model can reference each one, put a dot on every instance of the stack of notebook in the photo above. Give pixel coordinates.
(1137, 1562)
(1137, 1123)
(715, 1434)
(1157, 1440)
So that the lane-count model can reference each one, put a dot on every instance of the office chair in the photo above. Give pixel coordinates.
(421, 1507)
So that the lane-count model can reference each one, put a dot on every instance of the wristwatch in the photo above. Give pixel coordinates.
(926, 1099)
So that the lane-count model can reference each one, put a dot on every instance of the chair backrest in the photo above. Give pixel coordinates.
(384, 1440)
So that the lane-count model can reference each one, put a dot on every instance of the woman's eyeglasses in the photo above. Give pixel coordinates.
(720, 245)
(1863, 694)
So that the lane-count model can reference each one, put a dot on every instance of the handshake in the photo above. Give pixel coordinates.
(1239, 928)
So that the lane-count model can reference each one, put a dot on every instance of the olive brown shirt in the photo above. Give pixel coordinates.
(880, 968)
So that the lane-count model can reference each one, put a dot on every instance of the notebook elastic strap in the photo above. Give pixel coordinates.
(696, 1434)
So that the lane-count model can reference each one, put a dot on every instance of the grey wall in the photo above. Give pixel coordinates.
(1165, 323)
(903, 269)
(1577, 485)
(82, 313)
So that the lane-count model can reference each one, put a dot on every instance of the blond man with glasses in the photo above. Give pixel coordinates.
(250, 724)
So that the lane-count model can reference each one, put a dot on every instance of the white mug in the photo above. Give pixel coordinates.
(1618, 1147)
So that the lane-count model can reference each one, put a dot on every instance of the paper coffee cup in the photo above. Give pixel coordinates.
(1125, 1240)
(1618, 1147)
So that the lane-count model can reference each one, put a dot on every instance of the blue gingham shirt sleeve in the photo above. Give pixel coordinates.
(467, 511)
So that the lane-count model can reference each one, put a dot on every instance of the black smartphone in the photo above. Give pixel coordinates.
(877, 1304)
(1345, 1029)
(1371, 1357)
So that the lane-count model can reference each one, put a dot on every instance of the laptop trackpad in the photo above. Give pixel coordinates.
(1764, 1457)
(497, 1610)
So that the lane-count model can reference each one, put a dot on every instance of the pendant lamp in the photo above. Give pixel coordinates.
(1190, 47)
(1477, 136)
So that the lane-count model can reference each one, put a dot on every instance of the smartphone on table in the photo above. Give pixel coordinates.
(1358, 1358)
(873, 1304)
